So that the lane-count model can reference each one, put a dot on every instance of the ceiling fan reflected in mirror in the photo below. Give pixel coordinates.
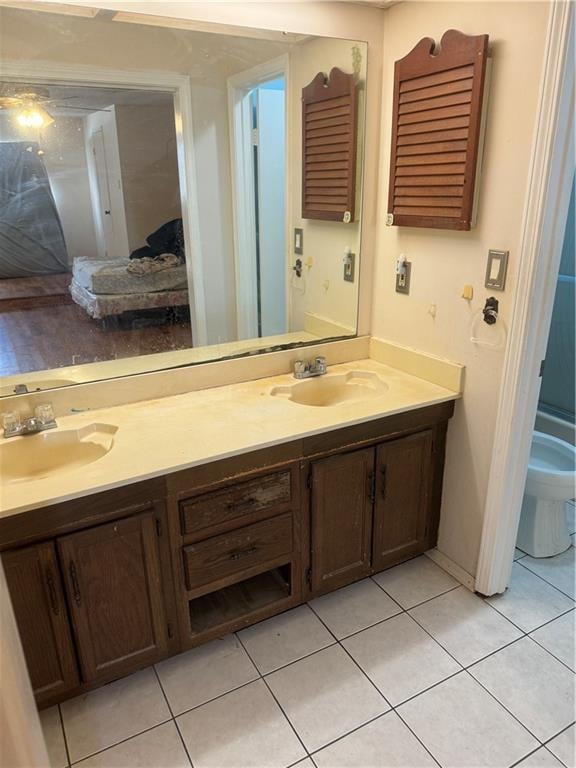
(29, 101)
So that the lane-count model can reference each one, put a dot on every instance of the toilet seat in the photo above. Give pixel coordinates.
(551, 468)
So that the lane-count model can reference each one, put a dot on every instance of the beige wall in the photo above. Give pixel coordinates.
(149, 167)
(322, 289)
(442, 261)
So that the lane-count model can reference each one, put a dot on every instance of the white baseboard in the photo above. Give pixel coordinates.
(452, 568)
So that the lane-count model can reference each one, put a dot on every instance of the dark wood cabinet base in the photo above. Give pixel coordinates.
(107, 584)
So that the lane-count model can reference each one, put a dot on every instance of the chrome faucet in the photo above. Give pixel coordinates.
(305, 369)
(43, 418)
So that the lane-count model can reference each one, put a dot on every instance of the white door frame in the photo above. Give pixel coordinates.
(243, 201)
(546, 209)
(179, 85)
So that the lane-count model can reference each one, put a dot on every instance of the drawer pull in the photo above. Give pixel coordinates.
(52, 592)
(75, 584)
(244, 553)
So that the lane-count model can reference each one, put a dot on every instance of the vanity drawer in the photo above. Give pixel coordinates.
(261, 495)
(237, 550)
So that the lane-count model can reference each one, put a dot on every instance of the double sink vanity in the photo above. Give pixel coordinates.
(131, 533)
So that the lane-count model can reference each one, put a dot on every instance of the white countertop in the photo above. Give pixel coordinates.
(161, 436)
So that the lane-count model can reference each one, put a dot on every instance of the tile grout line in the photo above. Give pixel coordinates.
(339, 642)
(392, 708)
(552, 654)
(546, 580)
(562, 763)
(280, 707)
(121, 741)
(525, 757)
(61, 718)
(555, 737)
(466, 669)
(173, 716)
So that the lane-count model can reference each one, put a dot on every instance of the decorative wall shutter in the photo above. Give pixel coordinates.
(329, 120)
(436, 126)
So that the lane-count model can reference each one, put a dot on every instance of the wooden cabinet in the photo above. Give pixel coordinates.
(113, 582)
(341, 518)
(402, 499)
(370, 509)
(33, 579)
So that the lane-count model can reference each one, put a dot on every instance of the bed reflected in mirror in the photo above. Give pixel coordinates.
(151, 196)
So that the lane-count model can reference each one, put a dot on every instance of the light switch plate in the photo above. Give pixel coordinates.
(298, 241)
(349, 267)
(403, 282)
(496, 269)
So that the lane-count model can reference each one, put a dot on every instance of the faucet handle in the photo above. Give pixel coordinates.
(299, 366)
(44, 413)
(320, 362)
(10, 421)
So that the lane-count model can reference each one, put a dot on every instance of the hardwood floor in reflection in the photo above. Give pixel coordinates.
(56, 336)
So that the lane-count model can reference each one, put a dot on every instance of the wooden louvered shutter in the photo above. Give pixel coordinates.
(436, 132)
(329, 118)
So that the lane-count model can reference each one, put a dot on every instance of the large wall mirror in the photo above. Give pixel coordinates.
(151, 194)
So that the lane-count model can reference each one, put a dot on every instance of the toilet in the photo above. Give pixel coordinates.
(550, 483)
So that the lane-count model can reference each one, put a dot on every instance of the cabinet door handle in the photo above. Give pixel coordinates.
(383, 481)
(75, 583)
(52, 592)
(244, 553)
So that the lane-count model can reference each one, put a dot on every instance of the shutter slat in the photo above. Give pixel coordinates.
(440, 191)
(440, 202)
(439, 146)
(432, 103)
(431, 170)
(328, 147)
(433, 159)
(458, 110)
(431, 181)
(437, 78)
(434, 125)
(458, 86)
(429, 211)
(436, 131)
(340, 101)
(433, 136)
(323, 114)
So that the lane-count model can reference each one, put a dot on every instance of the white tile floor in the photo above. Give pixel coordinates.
(406, 670)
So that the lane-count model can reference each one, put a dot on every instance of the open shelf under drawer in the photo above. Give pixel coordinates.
(240, 600)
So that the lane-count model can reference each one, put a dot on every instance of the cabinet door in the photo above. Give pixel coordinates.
(341, 510)
(404, 470)
(113, 580)
(40, 610)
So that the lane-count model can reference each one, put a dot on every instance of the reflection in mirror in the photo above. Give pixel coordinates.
(151, 195)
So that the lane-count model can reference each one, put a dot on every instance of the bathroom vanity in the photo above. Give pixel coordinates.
(116, 580)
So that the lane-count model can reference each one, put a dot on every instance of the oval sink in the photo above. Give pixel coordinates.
(49, 453)
(333, 389)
